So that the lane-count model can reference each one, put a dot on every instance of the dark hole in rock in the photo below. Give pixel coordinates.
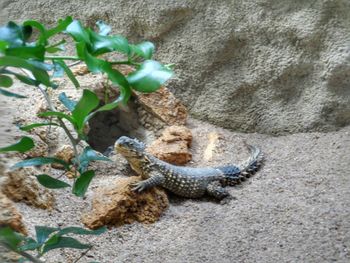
(107, 126)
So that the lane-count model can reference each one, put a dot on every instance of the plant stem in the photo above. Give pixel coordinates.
(82, 255)
(62, 124)
(62, 57)
(73, 141)
(23, 254)
(120, 62)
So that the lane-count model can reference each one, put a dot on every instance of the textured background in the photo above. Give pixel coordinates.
(269, 66)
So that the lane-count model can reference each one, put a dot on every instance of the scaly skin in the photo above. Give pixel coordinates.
(184, 181)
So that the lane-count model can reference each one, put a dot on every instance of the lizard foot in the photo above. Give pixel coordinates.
(226, 200)
(138, 186)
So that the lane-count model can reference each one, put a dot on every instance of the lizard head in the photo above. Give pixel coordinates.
(129, 147)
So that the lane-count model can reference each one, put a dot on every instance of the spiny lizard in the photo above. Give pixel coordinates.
(185, 181)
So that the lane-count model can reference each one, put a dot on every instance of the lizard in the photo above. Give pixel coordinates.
(185, 181)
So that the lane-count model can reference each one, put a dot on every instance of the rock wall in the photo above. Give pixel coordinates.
(270, 66)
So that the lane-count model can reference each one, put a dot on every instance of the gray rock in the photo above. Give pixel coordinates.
(259, 66)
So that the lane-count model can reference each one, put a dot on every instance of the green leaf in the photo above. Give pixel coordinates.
(65, 242)
(35, 125)
(10, 237)
(102, 44)
(81, 231)
(68, 103)
(27, 80)
(78, 32)
(62, 26)
(5, 81)
(39, 74)
(88, 102)
(23, 145)
(29, 244)
(41, 65)
(149, 77)
(118, 79)
(106, 107)
(40, 161)
(3, 46)
(110, 106)
(82, 183)
(94, 64)
(22, 78)
(15, 35)
(56, 47)
(43, 232)
(50, 182)
(36, 52)
(58, 115)
(58, 71)
(103, 27)
(11, 94)
(89, 155)
(144, 49)
(68, 72)
(42, 40)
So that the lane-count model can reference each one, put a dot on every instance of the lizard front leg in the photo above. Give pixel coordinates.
(154, 180)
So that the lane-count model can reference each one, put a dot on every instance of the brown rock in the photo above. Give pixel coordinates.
(177, 133)
(65, 153)
(80, 70)
(164, 106)
(173, 145)
(118, 205)
(9, 216)
(21, 185)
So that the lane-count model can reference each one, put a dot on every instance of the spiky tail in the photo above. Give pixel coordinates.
(235, 174)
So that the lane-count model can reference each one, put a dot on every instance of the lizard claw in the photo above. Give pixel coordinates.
(138, 187)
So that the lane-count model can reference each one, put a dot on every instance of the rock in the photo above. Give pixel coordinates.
(255, 67)
(173, 145)
(80, 70)
(21, 185)
(163, 105)
(118, 205)
(65, 153)
(9, 216)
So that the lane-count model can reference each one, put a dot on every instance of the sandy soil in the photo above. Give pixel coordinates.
(295, 209)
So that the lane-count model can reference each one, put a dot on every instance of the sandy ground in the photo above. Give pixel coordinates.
(295, 209)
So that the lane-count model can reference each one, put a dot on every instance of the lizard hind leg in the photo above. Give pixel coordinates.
(215, 190)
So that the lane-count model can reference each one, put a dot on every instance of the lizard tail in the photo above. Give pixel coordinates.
(252, 165)
(235, 174)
